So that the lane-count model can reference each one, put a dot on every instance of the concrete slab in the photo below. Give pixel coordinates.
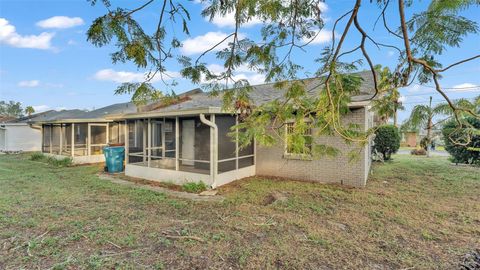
(179, 194)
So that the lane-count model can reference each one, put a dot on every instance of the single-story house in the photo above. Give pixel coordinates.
(23, 133)
(81, 135)
(188, 141)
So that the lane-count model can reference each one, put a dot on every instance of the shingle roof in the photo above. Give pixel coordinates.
(119, 108)
(260, 94)
(98, 114)
(263, 93)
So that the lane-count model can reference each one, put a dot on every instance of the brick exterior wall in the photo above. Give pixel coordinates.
(270, 161)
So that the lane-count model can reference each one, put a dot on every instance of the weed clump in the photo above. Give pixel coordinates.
(62, 162)
(193, 187)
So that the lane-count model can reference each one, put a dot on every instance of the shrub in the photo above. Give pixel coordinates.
(387, 141)
(37, 156)
(419, 152)
(63, 162)
(469, 153)
(194, 187)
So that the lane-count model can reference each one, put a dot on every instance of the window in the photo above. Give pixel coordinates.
(298, 146)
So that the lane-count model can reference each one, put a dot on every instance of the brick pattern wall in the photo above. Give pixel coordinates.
(270, 160)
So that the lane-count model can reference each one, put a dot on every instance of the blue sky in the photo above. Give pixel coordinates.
(46, 62)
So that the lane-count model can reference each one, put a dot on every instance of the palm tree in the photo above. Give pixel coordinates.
(388, 105)
(423, 115)
(29, 110)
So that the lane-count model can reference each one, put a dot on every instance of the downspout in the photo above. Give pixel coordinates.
(213, 148)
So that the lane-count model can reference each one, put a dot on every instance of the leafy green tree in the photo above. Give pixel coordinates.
(29, 110)
(463, 143)
(288, 27)
(387, 141)
(11, 108)
(422, 116)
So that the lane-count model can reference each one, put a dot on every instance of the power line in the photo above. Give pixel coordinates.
(435, 101)
(452, 88)
(447, 92)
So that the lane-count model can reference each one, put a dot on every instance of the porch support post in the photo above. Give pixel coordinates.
(108, 133)
(51, 134)
(89, 139)
(126, 141)
(236, 142)
(43, 138)
(162, 134)
(61, 140)
(73, 140)
(177, 144)
(144, 141)
(149, 142)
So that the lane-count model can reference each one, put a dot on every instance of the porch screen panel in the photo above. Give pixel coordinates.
(156, 149)
(246, 156)
(80, 132)
(136, 130)
(56, 134)
(98, 139)
(46, 138)
(194, 141)
(226, 143)
(169, 129)
(66, 139)
(116, 133)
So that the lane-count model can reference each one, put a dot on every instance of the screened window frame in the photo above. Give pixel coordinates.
(303, 156)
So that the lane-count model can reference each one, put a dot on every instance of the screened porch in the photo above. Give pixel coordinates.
(81, 140)
(188, 148)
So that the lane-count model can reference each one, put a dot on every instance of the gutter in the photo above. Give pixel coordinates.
(213, 147)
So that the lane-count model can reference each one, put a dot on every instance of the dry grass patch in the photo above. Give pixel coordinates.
(414, 212)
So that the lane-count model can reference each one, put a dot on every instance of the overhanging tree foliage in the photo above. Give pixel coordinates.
(289, 26)
(388, 103)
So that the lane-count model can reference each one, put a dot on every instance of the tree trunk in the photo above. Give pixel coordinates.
(429, 134)
(395, 119)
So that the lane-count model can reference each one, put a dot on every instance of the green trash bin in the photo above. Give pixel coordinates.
(114, 156)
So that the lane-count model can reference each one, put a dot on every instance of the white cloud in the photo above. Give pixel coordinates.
(465, 87)
(41, 108)
(324, 36)
(127, 76)
(402, 99)
(32, 83)
(253, 78)
(60, 22)
(390, 53)
(242, 73)
(202, 43)
(414, 88)
(9, 36)
(54, 85)
(228, 20)
(71, 42)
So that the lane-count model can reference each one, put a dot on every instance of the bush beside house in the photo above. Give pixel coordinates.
(387, 141)
(461, 153)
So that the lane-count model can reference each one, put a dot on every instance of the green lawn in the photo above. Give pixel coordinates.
(415, 212)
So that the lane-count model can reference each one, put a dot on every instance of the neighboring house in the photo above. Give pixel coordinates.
(409, 138)
(22, 134)
(82, 135)
(188, 141)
